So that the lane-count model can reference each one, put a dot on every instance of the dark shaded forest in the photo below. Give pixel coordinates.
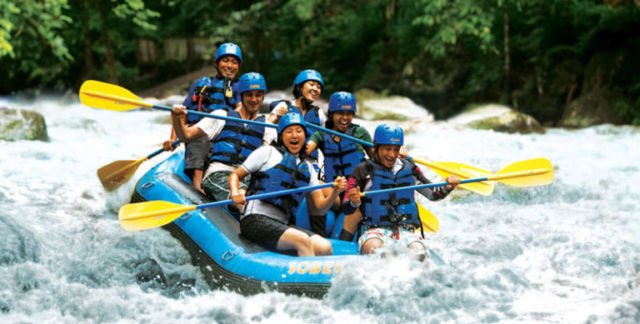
(539, 56)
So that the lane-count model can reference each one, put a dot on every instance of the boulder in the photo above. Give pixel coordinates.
(498, 118)
(17, 124)
(593, 108)
(373, 106)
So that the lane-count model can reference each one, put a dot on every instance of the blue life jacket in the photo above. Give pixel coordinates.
(287, 174)
(340, 158)
(237, 140)
(394, 208)
(209, 94)
(312, 116)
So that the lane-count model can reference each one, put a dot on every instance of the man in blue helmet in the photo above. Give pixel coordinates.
(276, 168)
(209, 95)
(230, 142)
(307, 87)
(387, 217)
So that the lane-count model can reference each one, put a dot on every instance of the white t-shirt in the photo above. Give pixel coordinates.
(262, 159)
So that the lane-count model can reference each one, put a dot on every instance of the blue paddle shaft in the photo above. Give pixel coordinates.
(343, 135)
(267, 195)
(199, 113)
(174, 144)
(421, 186)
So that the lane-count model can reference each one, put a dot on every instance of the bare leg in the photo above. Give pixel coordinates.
(321, 246)
(197, 179)
(298, 240)
(351, 222)
(418, 250)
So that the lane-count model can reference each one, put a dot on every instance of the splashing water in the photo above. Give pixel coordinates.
(568, 252)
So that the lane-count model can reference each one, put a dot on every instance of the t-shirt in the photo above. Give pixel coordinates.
(262, 159)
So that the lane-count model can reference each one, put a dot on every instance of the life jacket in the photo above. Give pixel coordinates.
(209, 94)
(237, 140)
(394, 208)
(287, 174)
(312, 116)
(340, 158)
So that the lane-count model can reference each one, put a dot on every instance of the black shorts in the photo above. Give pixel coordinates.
(197, 154)
(264, 230)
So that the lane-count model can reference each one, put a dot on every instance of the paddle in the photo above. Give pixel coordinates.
(534, 172)
(429, 221)
(116, 173)
(151, 214)
(112, 97)
(463, 171)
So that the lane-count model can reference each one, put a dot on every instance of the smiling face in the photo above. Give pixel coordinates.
(341, 120)
(228, 66)
(252, 99)
(387, 154)
(311, 90)
(293, 138)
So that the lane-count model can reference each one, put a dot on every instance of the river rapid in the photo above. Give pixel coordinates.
(564, 253)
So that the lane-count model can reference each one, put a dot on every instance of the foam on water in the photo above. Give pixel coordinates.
(569, 252)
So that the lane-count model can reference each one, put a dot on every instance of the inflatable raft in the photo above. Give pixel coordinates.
(226, 259)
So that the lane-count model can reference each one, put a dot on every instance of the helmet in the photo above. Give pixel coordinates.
(229, 49)
(388, 134)
(342, 101)
(252, 81)
(289, 119)
(308, 75)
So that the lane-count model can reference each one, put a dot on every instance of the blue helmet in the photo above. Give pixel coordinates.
(342, 101)
(229, 49)
(308, 75)
(252, 81)
(388, 134)
(289, 119)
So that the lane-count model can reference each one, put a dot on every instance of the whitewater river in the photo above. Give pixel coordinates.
(564, 253)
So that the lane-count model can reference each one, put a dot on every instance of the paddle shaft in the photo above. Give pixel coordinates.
(343, 135)
(174, 144)
(492, 177)
(267, 195)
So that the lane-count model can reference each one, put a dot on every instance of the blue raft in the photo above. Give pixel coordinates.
(226, 259)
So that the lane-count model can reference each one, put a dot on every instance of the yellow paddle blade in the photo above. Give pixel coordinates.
(116, 173)
(429, 221)
(150, 214)
(109, 96)
(463, 171)
(527, 173)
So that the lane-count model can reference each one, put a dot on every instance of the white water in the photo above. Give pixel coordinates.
(564, 253)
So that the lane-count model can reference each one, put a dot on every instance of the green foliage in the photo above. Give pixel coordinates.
(30, 43)
(445, 54)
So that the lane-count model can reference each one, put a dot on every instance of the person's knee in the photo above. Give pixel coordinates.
(370, 245)
(321, 246)
(419, 250)
(303, 243)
